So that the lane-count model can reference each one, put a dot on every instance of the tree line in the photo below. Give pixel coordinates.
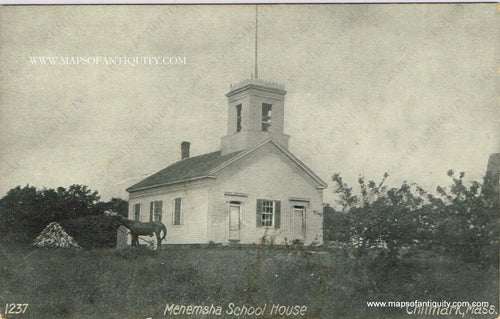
(26, 211)
(458, 220)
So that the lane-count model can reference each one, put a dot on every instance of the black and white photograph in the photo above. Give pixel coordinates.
(274, 160)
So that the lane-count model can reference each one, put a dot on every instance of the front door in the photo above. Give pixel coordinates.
(299, 222)
(234, 221)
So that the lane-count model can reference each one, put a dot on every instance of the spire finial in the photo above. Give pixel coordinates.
(256, 28)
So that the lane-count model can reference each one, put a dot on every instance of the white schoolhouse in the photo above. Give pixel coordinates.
(252, 187)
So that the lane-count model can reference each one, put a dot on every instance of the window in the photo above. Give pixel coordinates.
(155, 211)
(137, 212)
(177, 211)
(268, 213)
(238, 117)
(266, 116)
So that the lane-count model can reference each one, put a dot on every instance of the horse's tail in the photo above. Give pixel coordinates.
(164, 229)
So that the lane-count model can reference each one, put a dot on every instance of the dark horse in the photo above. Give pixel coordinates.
(144, 229)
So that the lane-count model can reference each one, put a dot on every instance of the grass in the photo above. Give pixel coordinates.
(137, 283)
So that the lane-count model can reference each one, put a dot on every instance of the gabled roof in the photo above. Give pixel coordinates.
(185, 170)
(208, 165)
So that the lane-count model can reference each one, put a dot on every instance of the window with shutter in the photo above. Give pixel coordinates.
(277, 214)
(268, 213)
(155, 210)
(158, 210)
(259, 212)
(177, 211)
(137, 211)
(151, 210)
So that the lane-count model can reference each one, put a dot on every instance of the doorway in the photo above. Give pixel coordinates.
(299, 222)
(234, 220)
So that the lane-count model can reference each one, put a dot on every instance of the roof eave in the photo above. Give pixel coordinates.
(132, 189)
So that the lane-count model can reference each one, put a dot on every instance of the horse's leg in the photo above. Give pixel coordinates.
(135, 240)
(158, 240)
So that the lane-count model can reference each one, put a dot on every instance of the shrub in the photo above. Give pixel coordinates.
(92, 231)
(297, 242)
(267, 240)
(461, 221)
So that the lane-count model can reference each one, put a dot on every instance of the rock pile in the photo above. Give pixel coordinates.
(54, 236)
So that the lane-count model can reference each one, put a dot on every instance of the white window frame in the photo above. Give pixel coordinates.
(180, 212)
(157, 216)
(137, 212)
(272, 207)
(267, 118)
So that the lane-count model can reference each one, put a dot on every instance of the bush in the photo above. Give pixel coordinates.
(461, 221)
(92, 231)
(337, 225)
(267, 240)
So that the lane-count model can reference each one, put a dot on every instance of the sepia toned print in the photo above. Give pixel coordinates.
(254, 161)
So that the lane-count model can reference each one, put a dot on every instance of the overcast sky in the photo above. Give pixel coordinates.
(407, 89)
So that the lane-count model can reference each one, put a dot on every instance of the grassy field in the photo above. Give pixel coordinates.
(131, 283)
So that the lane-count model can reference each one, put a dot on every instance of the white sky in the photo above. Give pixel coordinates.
(408, 89)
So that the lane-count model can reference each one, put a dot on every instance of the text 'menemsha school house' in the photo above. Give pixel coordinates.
(252, 187)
